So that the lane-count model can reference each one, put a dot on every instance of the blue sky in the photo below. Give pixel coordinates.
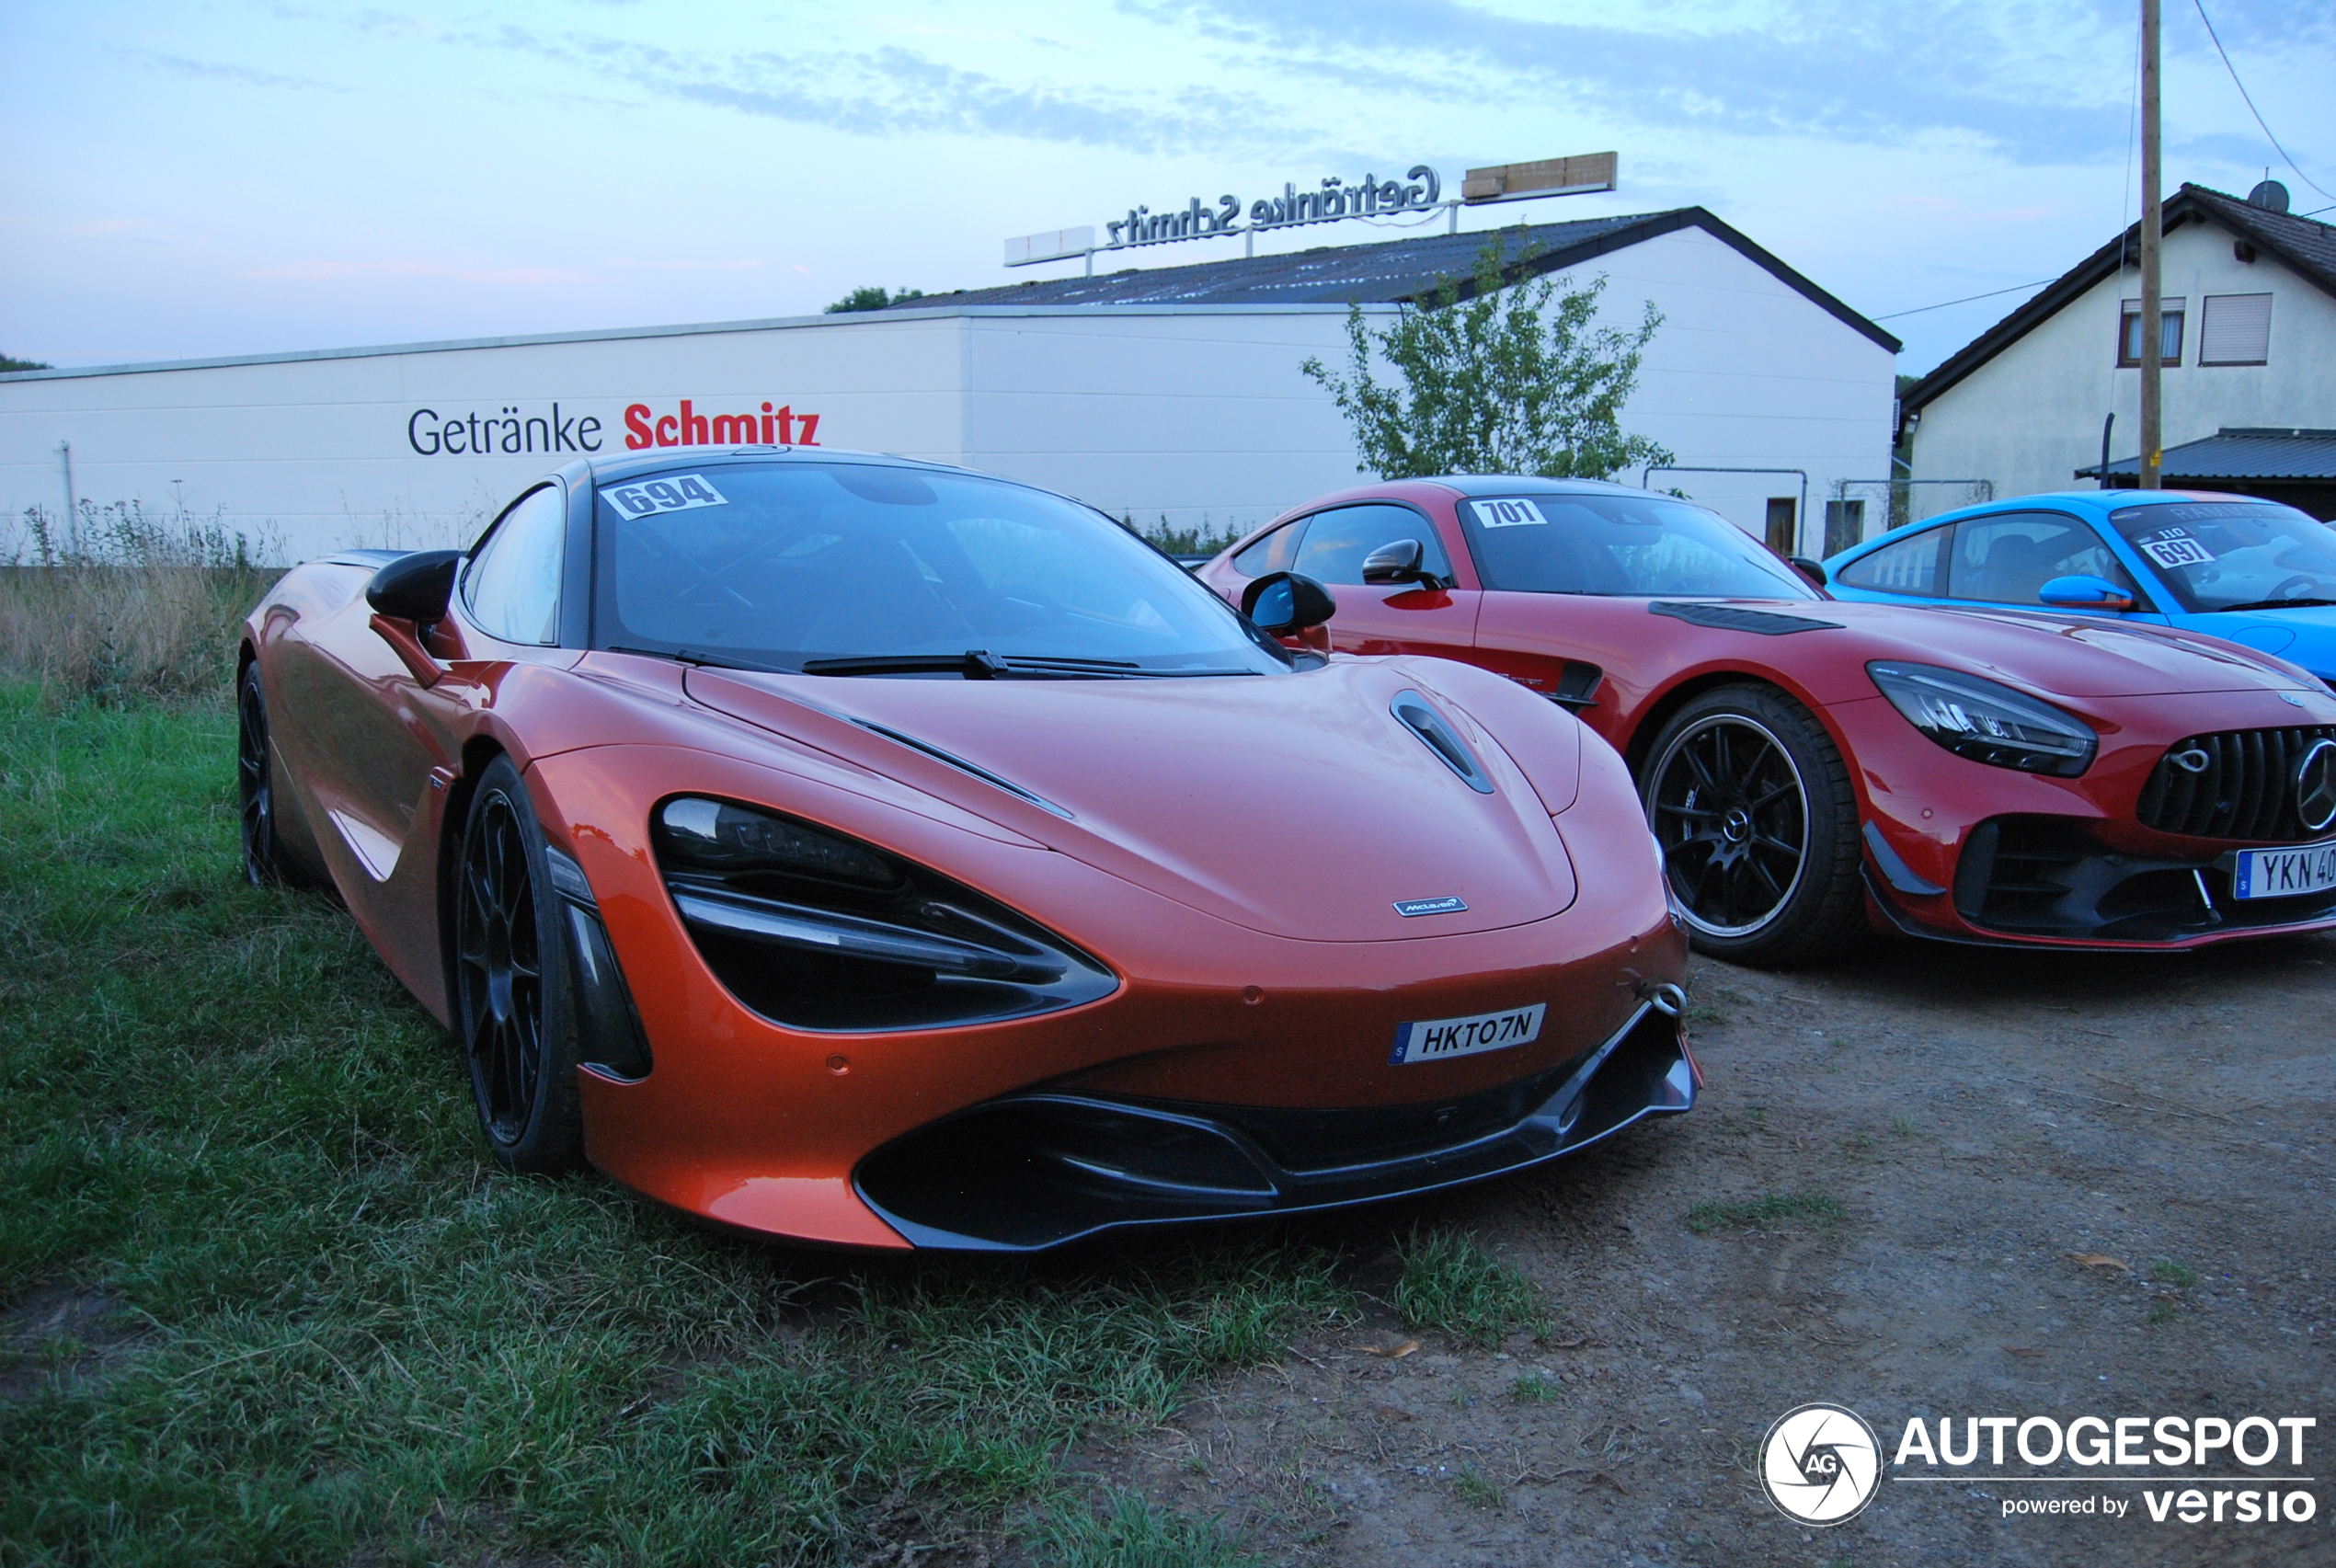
(220, 178)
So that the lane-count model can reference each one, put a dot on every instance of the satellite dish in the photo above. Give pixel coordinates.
(2270, 195)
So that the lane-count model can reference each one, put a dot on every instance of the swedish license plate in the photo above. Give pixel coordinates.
(1441, 1038)
(2283, 874)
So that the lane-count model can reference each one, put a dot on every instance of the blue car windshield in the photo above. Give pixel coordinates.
(778, 564)
(1621, 545)
(2234, 555)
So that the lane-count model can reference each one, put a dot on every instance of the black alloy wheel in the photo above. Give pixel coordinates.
(1753, 807)
(264, 859)
(512, 1007)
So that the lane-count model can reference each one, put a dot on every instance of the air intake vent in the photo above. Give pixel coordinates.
(1734, 618)
(2238, 784)
(1424, 721)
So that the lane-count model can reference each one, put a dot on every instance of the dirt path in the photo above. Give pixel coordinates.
(1979, 1117)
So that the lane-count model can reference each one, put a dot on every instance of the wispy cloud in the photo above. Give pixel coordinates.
(214, 70)
(2036, 87)
(120, 231)
(627, 264)
(319, 271)
(893, 89)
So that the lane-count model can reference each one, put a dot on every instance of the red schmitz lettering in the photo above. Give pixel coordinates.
(689, 425)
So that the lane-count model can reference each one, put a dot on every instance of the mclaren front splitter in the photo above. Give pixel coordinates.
(1036, 1170)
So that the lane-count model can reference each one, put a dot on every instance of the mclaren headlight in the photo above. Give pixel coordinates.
(816, 931)
(1984, 721)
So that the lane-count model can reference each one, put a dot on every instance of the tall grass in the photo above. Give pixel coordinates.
(334, 1333)
(117, 602)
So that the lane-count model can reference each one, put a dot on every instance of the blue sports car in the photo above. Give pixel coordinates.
(2252, 571)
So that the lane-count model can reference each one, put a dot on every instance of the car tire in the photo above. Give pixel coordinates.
(1754, 809)
(266, 863)
(514, 1011)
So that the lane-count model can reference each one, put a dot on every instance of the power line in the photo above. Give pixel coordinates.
(2251, 101)
(1967, 299)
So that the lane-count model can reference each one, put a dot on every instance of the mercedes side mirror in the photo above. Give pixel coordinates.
(2084, 592)
(415, 588)
(1812, 571)
(1396, 561)
(1284, 603)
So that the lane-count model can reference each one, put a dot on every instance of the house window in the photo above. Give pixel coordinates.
(2170, 312)
(2236, 330)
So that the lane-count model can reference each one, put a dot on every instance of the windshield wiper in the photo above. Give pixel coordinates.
(691, 655)
(976, 664)
(2273, 604)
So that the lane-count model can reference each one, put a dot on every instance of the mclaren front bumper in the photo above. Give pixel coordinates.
(1032, 1171)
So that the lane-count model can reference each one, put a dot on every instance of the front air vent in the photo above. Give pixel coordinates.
(816, 931)
(1735, 618)
(2239, 785)
(1413, 712)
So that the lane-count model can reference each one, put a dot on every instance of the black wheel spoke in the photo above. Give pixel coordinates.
(1731, 793)
(499, 968)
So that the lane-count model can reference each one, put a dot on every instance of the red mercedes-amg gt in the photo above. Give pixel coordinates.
(874, 853)
(1980, 775)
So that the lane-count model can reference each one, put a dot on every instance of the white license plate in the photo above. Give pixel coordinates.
(1441, 1038)
(2283, 874)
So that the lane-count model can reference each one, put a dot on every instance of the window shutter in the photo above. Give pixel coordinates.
(2237, 330)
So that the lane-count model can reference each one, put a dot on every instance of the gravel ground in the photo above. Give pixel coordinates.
(1984, 1121)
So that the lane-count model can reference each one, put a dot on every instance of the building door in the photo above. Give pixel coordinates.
(1783, 525)
(1844, 525)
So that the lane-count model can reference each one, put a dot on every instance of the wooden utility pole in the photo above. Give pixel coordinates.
(2153, 438)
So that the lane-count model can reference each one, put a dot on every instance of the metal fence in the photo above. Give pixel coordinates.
(1855, 506)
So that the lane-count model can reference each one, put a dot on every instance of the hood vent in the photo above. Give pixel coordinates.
(984, 774)
(1412, 710)
(1734, 618)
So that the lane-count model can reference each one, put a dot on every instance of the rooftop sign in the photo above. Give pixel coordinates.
(1335, 199)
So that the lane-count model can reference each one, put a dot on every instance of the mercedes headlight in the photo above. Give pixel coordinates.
(1984, 721)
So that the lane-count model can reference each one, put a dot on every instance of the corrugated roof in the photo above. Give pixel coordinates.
(2306, 244)
(2241, 453)
(1388, 272)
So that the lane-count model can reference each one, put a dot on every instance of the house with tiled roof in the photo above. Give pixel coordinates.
(2048, 395)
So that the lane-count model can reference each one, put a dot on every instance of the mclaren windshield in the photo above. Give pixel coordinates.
(842, 568)
(2235, 555)
(1621, 545)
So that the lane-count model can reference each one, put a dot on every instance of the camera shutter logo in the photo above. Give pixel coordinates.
(1820, 1464)
(2316, 785)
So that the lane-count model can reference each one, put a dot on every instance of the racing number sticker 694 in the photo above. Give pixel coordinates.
(678, 492)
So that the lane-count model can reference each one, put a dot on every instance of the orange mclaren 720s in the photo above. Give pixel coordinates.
(874, 854)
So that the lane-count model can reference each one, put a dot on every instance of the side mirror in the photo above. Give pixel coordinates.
(1812, 571)
(415, 588)
(1284, 604)
(2084, 592)
(1395, 561)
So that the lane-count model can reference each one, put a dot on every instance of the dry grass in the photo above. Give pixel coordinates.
(122, 603)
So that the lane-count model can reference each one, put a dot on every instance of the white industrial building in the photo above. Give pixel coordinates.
(2249, 342)
(1169, 393)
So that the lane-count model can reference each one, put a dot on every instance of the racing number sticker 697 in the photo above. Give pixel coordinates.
(1442, 1038)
